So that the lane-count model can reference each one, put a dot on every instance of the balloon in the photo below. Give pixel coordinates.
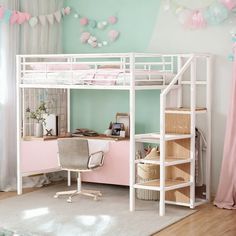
(216, 13)
(185, 17)
(230, 4)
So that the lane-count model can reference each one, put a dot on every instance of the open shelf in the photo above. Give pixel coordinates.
(155, 184)
(169, 161)
(155, 137)
(185, 110)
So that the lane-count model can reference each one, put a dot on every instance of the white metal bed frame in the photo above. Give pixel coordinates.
(129, 62)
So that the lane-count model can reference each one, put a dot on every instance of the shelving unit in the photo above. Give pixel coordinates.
(176, 162)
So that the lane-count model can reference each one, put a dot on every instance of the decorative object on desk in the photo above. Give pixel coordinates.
(39, 116)
(116, 128)
(124, 119)
(49, 132)
(85, 132)
(51, 123)
(108, 132)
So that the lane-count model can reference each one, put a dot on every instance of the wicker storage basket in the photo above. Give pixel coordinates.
(147, 172)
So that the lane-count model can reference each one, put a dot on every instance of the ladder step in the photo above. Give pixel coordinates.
(185, 110)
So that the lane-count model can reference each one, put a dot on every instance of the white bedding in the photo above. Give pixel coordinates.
(109, 76)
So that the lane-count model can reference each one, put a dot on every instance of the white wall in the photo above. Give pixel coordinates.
(170, 37)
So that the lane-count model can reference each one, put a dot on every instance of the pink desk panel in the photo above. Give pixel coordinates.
(39, 156)
(116, 166)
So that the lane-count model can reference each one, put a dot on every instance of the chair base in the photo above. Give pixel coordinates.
(73, 193)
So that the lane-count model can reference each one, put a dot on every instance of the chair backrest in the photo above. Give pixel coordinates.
(73, 153)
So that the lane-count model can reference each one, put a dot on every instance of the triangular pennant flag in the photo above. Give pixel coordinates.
(50, 19)
(33, 21)
(42, 20)
(57, 15)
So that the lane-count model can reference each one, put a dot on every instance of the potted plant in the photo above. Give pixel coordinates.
(39, 116)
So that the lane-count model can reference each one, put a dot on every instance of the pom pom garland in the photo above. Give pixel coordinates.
(213, 14)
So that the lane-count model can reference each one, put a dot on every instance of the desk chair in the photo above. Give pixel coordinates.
(74, 155)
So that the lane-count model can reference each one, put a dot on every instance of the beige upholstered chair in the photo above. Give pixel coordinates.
(74, 155)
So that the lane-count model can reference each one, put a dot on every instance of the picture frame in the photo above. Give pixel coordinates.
(124, 118)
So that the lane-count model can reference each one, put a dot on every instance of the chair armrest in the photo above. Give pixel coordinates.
(95, 159)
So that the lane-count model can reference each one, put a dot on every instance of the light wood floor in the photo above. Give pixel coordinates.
(207, 221)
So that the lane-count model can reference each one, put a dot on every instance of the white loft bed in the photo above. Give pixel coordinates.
(126, 71)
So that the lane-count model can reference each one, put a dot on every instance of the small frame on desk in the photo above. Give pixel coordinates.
(124, 118)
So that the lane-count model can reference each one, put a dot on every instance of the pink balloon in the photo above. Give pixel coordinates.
(112, 20)
(230, 4)
(2, 10)
(21, 18)
(14, 17)
(84, 21)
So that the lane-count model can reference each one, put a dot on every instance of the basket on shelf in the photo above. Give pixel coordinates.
(146, 172)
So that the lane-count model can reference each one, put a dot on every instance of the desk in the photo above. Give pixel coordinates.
(41, 157)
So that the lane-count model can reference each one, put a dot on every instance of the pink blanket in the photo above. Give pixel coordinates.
(226, 194)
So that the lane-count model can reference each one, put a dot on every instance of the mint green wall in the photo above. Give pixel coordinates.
(136, 19)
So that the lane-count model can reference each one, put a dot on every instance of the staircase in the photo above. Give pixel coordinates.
(176, 162)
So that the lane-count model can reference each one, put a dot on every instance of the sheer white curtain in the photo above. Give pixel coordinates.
(22, 39)
(8, 49)
(41, 39)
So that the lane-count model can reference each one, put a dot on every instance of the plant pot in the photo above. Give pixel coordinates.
(39, 129)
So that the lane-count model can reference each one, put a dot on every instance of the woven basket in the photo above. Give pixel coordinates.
(147, 172)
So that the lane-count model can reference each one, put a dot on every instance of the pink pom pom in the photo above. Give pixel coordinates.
(67, 10)
(85, 37)
(230, 4)
(113, 35)
(112, 20)
(2, 10)
(198, 20)
(14, 17)
(84, 21)
(21, 18)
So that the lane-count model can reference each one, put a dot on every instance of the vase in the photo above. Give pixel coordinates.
(39, 129)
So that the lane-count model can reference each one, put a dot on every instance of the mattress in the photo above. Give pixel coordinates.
(108, 76)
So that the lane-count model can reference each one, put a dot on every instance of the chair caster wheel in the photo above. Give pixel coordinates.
(69, 200)
(55, 196)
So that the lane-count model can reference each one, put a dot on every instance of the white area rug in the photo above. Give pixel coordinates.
(38, 213)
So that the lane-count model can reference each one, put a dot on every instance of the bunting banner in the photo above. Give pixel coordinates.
(16, 17)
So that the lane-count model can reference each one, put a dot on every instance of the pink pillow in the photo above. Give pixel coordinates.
(52, 67)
